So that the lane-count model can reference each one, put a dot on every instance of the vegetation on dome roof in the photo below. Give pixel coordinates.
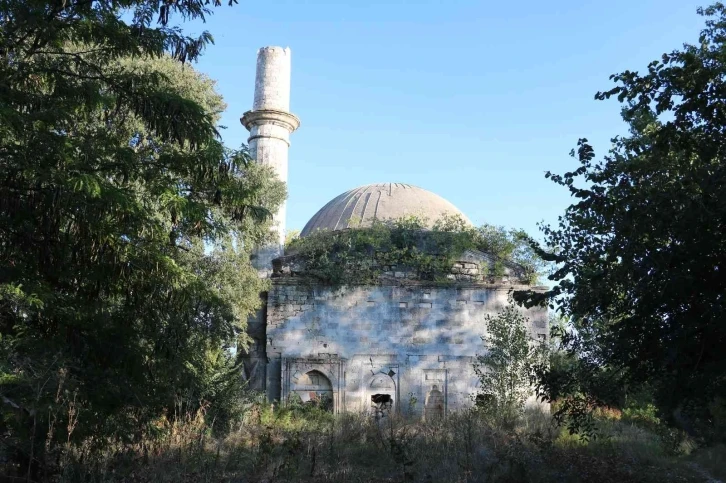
(362, 255)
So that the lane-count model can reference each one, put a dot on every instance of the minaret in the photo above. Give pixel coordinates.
(270, 124)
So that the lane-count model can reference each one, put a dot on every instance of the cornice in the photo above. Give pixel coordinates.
(270, 116)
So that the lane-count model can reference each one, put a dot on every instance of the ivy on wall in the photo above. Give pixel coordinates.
(361, 255)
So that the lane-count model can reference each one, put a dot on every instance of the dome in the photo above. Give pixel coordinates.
(381, 201)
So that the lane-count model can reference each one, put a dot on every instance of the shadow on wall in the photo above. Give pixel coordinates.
(434, 404)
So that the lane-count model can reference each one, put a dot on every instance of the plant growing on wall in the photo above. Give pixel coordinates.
(362, 255)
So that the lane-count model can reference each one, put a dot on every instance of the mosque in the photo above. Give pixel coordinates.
(402, 343)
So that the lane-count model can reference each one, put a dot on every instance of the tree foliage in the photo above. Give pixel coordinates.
(125, 224)
(505, 370)
(641, 254)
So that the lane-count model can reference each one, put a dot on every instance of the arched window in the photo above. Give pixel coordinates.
(382, 394)
(315, 388)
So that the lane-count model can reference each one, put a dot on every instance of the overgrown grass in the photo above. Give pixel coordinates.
(308, 444)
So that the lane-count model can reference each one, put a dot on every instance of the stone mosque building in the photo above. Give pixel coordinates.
(407, 343)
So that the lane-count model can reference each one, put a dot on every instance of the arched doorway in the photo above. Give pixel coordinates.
(315, 388)
(381, 395)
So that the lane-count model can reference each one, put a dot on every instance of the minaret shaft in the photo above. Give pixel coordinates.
(270, 124)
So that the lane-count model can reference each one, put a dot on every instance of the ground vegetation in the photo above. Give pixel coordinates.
(308, 444)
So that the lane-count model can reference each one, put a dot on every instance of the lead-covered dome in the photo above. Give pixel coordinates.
(381, 201)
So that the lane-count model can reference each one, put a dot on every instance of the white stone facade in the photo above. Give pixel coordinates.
(413, 336)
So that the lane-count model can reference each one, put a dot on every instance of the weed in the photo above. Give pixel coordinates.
(304, 443)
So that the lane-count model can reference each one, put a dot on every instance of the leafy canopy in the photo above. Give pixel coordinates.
(125, 224)
(641, 254)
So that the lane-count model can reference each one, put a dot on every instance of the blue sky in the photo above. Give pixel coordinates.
(472, 100)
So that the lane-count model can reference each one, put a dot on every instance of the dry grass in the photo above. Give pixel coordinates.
(312, 446)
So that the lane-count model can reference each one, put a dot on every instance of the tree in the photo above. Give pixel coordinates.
(505, 369)
(125, 225)
(641, 254)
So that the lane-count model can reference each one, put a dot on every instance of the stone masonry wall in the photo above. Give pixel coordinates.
(418, 336)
